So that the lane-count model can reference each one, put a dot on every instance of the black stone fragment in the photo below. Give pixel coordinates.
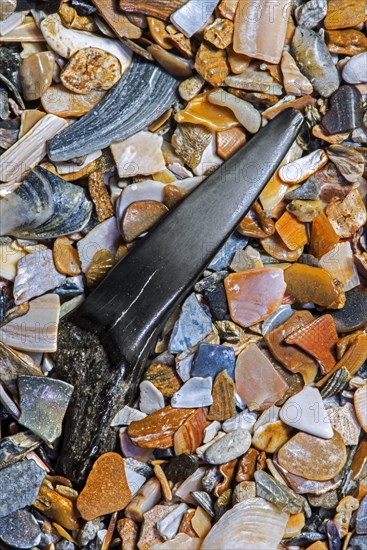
(211, 359)
(161, 454)
(345, 112)
(216, 299)
(304, 539)
(20, 530)
(354, 313)
(15, 447)
(181, 467)
(9, 66)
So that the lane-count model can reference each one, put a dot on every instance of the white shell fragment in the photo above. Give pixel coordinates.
(169, 525)
(127, 415)
(134, 479)
(305, 411)
(140, 154)
(245, 420)
(193, 15)
(69, 167)
(253, 523)
(12, 22)
(245, 113)
(191, 484)
(36, 275)
(195, 393)
(209, 162)
(211, 431)
(340, 264)
(66, 42)
(151, 399)
(30, 149)
(37, 330)
(301, 169)
(9, 258)
(105, 236)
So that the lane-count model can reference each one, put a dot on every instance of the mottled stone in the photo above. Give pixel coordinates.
(309, 190)
(315, 62)
(243, 491)
(310, 14)
(342, 14)
(190, 435)
(345, 111)
(229, 447)
(211, 359)
(354, 313)
(15, 447)
(211, 64)
(20, 484)
(346, 42)
(278, 493)
(192, 326)
(329, 500)
(216, 300)
(20, 530)
(344, 421)
(164, 378)
(43, 403)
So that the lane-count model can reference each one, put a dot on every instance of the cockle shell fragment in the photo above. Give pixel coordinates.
(253, 523)
(66, 42)
(140, 154)
(245, 113)
(30, 149)
(57, 100)
(37, 330)
(360, 405)
(259, 31)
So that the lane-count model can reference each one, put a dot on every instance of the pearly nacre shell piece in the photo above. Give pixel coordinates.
(140, 154)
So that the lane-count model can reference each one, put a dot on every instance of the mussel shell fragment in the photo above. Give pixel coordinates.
(46, 207)
(142, 95)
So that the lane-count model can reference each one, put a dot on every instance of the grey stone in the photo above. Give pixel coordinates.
(181, 467)
(282, 314)
(359, 542)
(20, 484)
(354, 313)
(355, 70)
(168, 526)
(361, 522)
(278, 493)
(227, 252)
(192, 326)
(210, 479)
(345, 112)
(315, 61)
(328, 500)
(209, 284)
(211, 359)
(43, 402)
(20, 530)
(310, 190)
(89, 532)
(243, 491)
(228, 447)
(311, 13)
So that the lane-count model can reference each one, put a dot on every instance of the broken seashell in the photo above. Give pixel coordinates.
(360, 405)
(294, 81)
(9, 258)
(337, 383)
(140, 154)
(66, 257)
(46, 206)
(13, 365)
(292, 232)
(211, 64)
(199, 110)
(57, 100)
(340, 264)
(26, 29)
(148, 496)
(190, 141)
(30, 149)
(223, 398)
(71, 19)
(249, 297)
(323, 236)
(153, 91)
(346, 215)
(104, 237)
(259, 34)
(191, 17)
(345, 422)
(306, 211)
(157, 29)
(36, 74)
(28, 119)
(301, 169)
(91, 69)
(37, 329)
(253, 79)
(350, 163)
(259, 387)
(196, 392)
(245, 113)
(11, 23)
(246, 525)
(229, 142)
(66, 42)
(173, 64)
(120, 23)
(219, 33)
(352, 359)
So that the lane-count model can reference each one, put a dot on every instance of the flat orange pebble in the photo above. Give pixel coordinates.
(292, 232)
(254, 294)
(106, 490)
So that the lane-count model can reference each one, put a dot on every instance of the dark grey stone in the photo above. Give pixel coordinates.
(217, 302)
(358, 542)
(333, 536)
(227, 252)
(205, 501)
(211, 359)
(20, 530)
(15, 447)
(310, 190)
(304, 539)
(354, 313)
(345, 112)
(209, 284)
(181, 467)
(20, 484)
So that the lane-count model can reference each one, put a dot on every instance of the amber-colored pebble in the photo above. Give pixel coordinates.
(247, 466)
(261, 461)
(359, 462)
(106, 489)
(201, 522)
(199, 110)
(313, 284)
(173, 195)
(186, 526)
(189, 436)
(346, 42)
(139, 217)
(230, 141)
(211, 64)
(300, 103)
(323, 236)
(157, 429)
(276, 248)
(292, 232)
(66, 257)
(128, 531)
(227, 9)
(164, 378)
(158, 32)
(57, 507)
(227, 470)
(319, 132)
(342, 14)
(256, 223)
(223, 398)
(270, 437)
(295, 525)
(161, 476)
(99, 194)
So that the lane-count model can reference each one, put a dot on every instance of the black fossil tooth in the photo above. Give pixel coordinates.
(142, 95)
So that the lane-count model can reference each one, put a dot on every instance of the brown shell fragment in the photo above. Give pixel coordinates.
(36, 74)
(211, 64)
(220, 33)
(270, 437)
(223, 398)
(139, 217)
(159, 34)
(172, 195)
(190, 141)
(190, 435)
(227, 470)
(347, 215)
(72, 20)
(100, 197)
(157, 429)
(156, 8)
(299, 454)
(60, 101)
(199, 110)
(90, 70)
(276, 248)
(352, 359)
(103, 261)
(230, 141)
(119, 22)
(342, 14)
(323, 236)
(292, 232)
(313, 284)
(66, 257)
(319, 339)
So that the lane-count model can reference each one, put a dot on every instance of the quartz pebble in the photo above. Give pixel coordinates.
(196, 392)
(299, 412)
(230, 446)
(20, 484)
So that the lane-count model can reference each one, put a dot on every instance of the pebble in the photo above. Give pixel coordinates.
(192, 326)
(299, 411)
(128, 531)
(196, 392)
(345, 111)
(309, 190)
(349, 162)
(211, 431)
(43, 402)
(164, 378)
(36, 74)
(229, 447)
(347, 215)
(342, 14)
(344, 421)
(361, 521)
(223, 406)
(181, 467)
(355, 70)
(20, 530)
(245, 420)
(346, 42)
(360, 405)
(270, 437)
(59, 508)
(278, 493)
(310, 14)
(301, 169)
(151, 399)
(200, 111)
(354, 313)
(217, 302)
(298, 456)
(249, 296)
(148, 496)
(191, 484)
(259, 387)
(189, 88)
(294, 81)
(292, 231)
(190, 435)
(243, 491)
(227, 252)
(245, 113)
(191, 17)
(329, 500)
(149, 535)
(211, 64)
(211, 359)
(169, 525)
(20, 485)
(66, 257)
(91, 69)
(106, 489)
(315, 61)
(36, 275)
